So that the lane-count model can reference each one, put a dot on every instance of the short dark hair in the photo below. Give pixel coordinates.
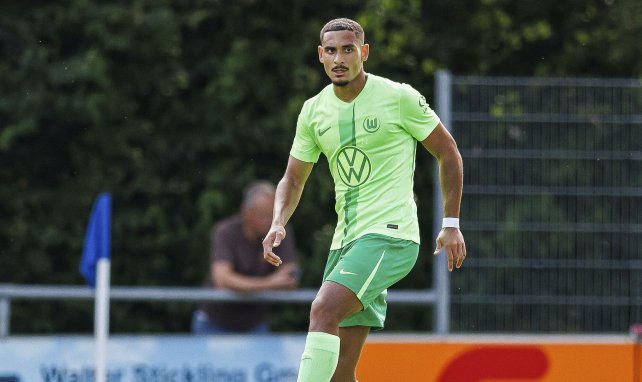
(343, 24)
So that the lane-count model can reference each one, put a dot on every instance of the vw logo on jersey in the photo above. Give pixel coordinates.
(371, 124)
(353, 166)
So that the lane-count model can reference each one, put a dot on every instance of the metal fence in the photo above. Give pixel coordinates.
(10, 292)
(552, 203)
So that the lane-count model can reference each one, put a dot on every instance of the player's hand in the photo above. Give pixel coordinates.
(273, 239)
(452, 241)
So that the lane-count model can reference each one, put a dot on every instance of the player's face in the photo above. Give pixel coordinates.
(342, 56)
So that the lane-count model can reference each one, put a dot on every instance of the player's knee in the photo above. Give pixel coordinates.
(323, 313)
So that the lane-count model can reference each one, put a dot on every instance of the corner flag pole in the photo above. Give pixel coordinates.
(101, 318)
(95, 266)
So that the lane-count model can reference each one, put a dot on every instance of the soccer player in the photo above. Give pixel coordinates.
(368, 127)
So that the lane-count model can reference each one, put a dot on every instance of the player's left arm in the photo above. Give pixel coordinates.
(443, 147)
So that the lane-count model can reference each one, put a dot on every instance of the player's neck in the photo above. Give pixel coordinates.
(349, 92)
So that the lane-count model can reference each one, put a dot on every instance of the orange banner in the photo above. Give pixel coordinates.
(545, 359)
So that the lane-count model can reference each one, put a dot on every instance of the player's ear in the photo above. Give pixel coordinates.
(365, 52)
(320, 51)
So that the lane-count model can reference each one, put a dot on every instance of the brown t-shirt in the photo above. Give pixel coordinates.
(246, 257)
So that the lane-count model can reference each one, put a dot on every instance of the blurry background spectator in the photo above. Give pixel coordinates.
(237, 263)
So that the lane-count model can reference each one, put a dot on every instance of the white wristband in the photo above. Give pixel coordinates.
(450, 222)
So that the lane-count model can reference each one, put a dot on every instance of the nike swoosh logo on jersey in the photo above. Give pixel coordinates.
(323, 131)
(346, 272)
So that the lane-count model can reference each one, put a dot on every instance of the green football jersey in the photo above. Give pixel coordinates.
(370, 144)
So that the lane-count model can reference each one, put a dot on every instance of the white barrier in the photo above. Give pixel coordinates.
(268, 358)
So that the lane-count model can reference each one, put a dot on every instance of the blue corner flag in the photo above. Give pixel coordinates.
(97, 238)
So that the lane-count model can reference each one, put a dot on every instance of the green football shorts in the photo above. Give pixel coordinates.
(368, 266)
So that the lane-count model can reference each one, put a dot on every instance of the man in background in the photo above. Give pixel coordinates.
(236, 263)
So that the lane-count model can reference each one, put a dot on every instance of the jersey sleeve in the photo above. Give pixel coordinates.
(304, 147)
(416, 116)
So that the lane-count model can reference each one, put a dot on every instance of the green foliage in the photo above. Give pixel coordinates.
(173, 106)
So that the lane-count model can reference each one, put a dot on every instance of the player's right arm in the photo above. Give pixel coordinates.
(288, 194)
